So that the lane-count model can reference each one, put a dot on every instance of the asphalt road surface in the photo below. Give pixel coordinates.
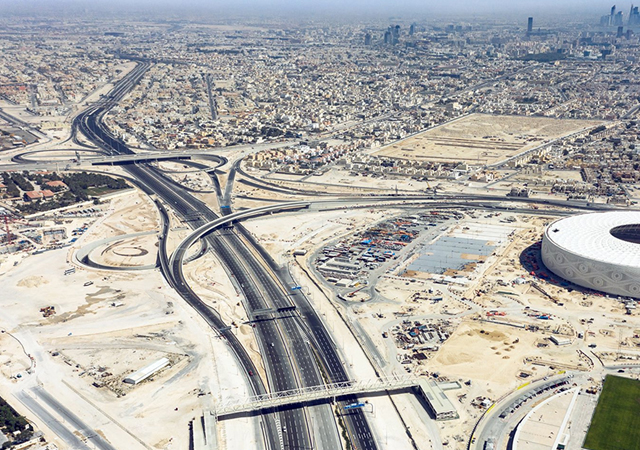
(60, 425)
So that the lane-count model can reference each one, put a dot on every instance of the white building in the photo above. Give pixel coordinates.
(147, 371)
(599, 251)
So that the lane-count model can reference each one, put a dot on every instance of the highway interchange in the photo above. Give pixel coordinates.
(295, 345)
(289, 358)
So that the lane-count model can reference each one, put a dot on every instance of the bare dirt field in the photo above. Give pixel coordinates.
(137, 251)
(482, 138)
(494, 354)
(106, 325)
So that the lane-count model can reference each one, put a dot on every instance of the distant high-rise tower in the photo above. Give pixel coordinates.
(367, 39)
(620, 32)
(615, 19)
(412, 29)
(618, 19)
(392, 35)
(387, 37)
(634, 16)
(530, 25)
(609, 21)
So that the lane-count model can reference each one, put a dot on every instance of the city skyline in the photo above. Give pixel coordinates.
(462, 8)
(300, 225)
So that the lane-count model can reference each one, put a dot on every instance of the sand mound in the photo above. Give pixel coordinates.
(489, 335)
(33, 282)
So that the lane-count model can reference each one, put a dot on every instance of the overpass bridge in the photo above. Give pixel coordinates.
(159, 156)
(181, 249)
(313, 393)
(438, 403)
(147, 157)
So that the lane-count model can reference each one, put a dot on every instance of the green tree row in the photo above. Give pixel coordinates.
(10, 422)
(79, 183)
(22, 182)
(12, 188)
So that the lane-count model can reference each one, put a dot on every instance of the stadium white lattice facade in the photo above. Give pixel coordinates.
(600, 251)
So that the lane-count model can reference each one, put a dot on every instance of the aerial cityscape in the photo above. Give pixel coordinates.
(298, 226)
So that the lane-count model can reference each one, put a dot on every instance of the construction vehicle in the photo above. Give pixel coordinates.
(48, 311)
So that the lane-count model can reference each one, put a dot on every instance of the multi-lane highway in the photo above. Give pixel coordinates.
(296, 348)
(80, 435)
(288, 359)
(196, 213)
(289, 353)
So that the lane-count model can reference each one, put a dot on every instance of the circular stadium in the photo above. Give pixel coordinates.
(599, 251)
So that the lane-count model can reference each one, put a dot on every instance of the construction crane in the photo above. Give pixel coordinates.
(5, 216)
(435, 190)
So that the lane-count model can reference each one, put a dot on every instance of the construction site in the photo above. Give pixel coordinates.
(491, 325)
(488, 139)
(459, 298)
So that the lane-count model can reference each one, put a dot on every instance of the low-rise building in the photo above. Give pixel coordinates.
(44, 194)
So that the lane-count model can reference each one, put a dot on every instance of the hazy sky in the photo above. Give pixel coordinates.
(423, 7)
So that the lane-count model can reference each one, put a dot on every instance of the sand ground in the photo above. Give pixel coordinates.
(108, 324)
(482, 138)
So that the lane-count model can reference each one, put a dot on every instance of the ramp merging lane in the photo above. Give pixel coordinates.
(292, 429)
(295, 354)
(308, 337)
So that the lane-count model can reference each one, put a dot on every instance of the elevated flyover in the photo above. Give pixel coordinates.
(147, 157)
(178, 254)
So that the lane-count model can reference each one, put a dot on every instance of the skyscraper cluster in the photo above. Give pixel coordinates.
(392, 35)
(616, 18)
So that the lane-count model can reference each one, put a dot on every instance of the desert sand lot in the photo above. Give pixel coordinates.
(493, 355)
(482, 138)
(108, 324)
(134, 252)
